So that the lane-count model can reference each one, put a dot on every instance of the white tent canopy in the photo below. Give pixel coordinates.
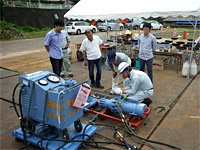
(115, 9)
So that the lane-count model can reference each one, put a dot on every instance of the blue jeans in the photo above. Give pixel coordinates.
(91, 63)
(149, 64)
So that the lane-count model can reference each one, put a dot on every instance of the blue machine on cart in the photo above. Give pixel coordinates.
(47, 103)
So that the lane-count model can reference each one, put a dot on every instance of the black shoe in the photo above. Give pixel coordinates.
(71, 75)
(100, 86)
(147, 101)
(62, 76)
(92, 85)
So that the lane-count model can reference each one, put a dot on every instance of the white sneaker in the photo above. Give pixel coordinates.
(112, 92)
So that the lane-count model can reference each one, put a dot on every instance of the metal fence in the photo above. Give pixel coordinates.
(35, 5)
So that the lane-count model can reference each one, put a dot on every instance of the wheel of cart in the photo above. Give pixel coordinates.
(78, 125)
(65, 134)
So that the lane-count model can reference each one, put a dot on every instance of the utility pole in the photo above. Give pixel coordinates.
(11, 3)
(29, 3)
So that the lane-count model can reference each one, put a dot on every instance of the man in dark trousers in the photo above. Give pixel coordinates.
(92, 50)
(53, 42)
(147, 44)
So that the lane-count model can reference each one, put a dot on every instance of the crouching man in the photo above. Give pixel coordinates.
(138, 85)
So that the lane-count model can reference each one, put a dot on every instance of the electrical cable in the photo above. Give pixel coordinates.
(29, 108)
(72, 140)
(20, 108)
(100, 147)
(13, 100)
(85, 147)
(195, 146)
(44, 113)
(56, 136)
(156, 142)
(127, 126)
(19, 117)
(85, 129)
(58, 108)
(124, 121)
(83, 141)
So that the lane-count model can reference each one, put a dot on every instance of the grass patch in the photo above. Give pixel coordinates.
(11, 31)
(180, 31)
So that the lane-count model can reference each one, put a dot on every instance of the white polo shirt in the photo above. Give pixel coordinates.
(92, 48)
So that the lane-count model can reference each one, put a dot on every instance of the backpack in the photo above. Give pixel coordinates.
(79, 55)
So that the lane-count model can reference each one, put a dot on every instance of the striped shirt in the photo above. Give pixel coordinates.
(146, 46)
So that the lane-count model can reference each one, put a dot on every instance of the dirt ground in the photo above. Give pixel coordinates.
(30, 53)
(177, 124)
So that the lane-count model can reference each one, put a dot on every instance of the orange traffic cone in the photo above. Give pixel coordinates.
(184, 35)
(138, 31)
(170, 32)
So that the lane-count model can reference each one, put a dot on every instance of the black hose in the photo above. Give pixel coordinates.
(13, 100)
(82, 141)
(72, 140)
(20, 105)
(100, 147)
(156, 142)
(85, 130)
(19, 117)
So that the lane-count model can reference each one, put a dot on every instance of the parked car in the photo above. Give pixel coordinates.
(109, 25)
(133, 23)
(67, 6)
(79, 27)
(154, 24)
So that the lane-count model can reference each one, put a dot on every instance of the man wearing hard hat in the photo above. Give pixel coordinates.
(138, 85)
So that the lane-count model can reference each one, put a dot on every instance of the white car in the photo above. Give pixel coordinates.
(155, 25)
(78, 27)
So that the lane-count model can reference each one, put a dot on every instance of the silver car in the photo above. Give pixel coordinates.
(133, 23)
(109, 25)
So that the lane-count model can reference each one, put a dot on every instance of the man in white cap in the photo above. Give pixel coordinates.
(138, 85)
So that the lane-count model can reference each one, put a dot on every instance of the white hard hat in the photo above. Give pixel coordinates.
(122, 66)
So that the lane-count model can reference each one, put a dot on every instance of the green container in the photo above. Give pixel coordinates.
(137, 63)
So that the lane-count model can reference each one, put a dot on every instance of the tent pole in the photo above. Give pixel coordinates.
(116, 36)
(107, 32)
(188, 76)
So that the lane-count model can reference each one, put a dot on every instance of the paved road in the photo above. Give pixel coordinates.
(32, 53)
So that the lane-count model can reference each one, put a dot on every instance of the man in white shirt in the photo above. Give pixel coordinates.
(92, 50)
(138, 85)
